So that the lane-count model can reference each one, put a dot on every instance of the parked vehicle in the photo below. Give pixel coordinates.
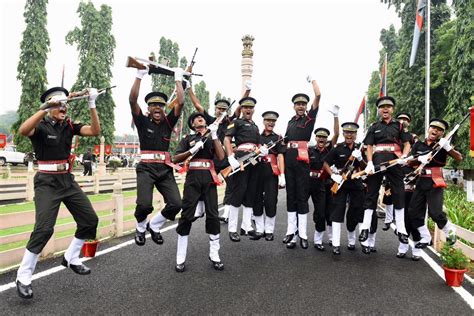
(10, 155)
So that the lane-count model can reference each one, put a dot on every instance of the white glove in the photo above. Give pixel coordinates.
(248, 85)
(178, 74)
(93, 94)
(196, 147)
(233, 162)
(142, 72)
(213, 128)
(356, 153)
(187, 84)
(370, 169)
(309, 78)
(334, 110)
(336, 178)
(402, 161)
(281, 180)
(334, 169)
(424, 159)
(263, 151)
(444, 143)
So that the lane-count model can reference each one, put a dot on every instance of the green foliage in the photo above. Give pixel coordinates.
(459, 210)
(6, 122)
(454, 258)
(96, 45)
(32, 66)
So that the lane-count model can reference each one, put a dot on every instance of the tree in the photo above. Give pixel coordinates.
(6, 121)
(32, 66)
(96, 45)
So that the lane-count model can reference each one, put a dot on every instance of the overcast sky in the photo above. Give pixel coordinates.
(337, 42)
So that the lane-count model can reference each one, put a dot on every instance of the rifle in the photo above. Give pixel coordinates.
(434, 151)
(83, 94)
(250, 158)
(154, 67)
(346, 172)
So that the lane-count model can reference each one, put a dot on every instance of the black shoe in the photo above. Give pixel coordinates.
(415, 258)
(251, 233)
(304, 243)
(386, 226)
(180, 267)
(291, 245)
(336, 251)
(24, 291)
(288, 238)
(330, 243)
(366, 250)
(79, 268)
(364, 234)
(156, 236)
(257, 236)
(421, 245)
(234, 237)
(373, 249)
(243, 232)
(451, 239)
(403, 238)
(351, 247)
(269, 237)
(139, 238)
(217, 265)
(223, 219)
(401, 255)
(320, 247)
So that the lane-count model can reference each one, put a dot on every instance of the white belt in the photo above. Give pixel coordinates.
(384, 148)
(427, 171)
(292, 145)
(86, 161)
(153, 156)
(53, 167)
(246, 147)
(313, 174)
(199, 164)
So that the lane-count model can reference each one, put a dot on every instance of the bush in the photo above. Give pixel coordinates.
(458, 209)
(454, 258)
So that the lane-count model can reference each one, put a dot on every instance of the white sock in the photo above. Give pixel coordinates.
(371, 239)
(200, 208)
(388, 213)
(367, 219)
(425, 234)
(400, 221)
(247, 219)
(214, 247)
(336, 234)
(416, 251)
(233, 218)
(449, 228)
(351, 237)
(225, 214)
(157, 221)
(269, 224)
(27, 267)
(141, 226)
(73, 251)
(291, 229)
(403, 248)
(318, 237)
(329, 230)
(182, 249)
(365, 243)
(302, 225)
(260, 224)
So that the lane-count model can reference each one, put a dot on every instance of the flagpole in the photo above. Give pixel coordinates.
(386, 74)
(427, 78)
(365, 113)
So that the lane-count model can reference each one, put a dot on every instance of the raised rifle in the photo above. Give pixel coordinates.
(154, 67)
(346, 173)
(83, 94)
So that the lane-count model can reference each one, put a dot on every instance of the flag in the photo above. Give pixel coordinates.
(361, 110)
(471, 152)
(420, 15)
(383, 79)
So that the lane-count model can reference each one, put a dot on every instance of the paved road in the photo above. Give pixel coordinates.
(260, 277)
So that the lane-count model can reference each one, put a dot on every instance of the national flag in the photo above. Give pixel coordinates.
(383, 79)
(361, 110)
(420, 15)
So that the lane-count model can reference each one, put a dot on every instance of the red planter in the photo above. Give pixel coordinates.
(454, 277)
(89, 248)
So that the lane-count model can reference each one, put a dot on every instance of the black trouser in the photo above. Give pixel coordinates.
(199, 185)
(243, 187)
(267, 191)
(408, 224)
(297, 183)
(397, 187)
(87, 168)
(426, 194)
(50, 191)
(354, 190)
(321, 196)
(161, 176)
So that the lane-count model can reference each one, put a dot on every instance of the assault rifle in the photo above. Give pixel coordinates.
(346, 173)
(83, 94)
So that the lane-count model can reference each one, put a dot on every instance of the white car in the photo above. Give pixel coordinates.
(10, 155)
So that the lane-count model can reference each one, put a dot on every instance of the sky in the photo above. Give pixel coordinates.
(336, 42)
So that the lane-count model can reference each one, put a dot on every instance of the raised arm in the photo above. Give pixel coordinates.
(335, 112)
(94, 128)
(195, 101)
(317, 95)
(178, 78)
(27, 128)
(133, 97)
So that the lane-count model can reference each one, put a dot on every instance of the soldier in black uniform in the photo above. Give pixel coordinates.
(320, 186)
(385, 140)
(430, 184)
(155, 168)
(201, 181)
(297, 170)
(246, 137)
(340, 156)
(87, 162)
(51, 136)
(270, 176)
